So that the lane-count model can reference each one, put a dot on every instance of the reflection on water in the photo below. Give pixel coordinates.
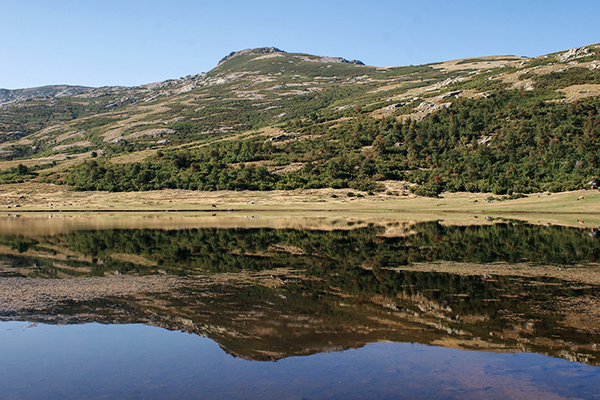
(266, 294)
(133, 361)
(192, 251)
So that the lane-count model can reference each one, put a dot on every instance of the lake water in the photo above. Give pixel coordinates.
(194, 307)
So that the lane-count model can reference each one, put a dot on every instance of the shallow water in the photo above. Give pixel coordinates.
(356, 310)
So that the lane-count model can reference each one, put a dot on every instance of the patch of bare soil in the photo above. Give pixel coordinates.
(392, 85)
(285, 168)
(32, 161)
(84, 143)
(67, 136)
(134, 259)
(572, 93)
(284, 248)
(26, 141)
(479, 63)
(135, 120)
(153, 133)
(474, 343)
(515, 81)
(138, 156)
(578, 92)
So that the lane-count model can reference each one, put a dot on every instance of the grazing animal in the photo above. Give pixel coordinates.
(580, 198)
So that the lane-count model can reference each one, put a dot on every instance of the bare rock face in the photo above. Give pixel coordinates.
(574, 53)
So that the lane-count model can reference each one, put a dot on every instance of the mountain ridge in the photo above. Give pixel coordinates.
(62, 90)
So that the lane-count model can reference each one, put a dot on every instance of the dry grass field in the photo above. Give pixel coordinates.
(577, 208)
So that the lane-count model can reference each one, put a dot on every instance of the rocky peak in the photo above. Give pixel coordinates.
(260, 50)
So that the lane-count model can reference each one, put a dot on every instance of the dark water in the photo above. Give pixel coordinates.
(499, 311)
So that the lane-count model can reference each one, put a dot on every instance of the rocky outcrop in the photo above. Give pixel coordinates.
(447, 82)
(574, 53)
(327, 59)
(427, 107)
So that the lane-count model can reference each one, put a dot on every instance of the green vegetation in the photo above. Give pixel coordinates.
(18, 174)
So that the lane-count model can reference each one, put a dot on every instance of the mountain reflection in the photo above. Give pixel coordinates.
(266, 294)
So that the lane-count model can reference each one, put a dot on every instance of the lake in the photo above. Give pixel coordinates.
(257, 306)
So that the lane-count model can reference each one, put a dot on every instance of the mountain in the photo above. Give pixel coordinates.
(264, 118)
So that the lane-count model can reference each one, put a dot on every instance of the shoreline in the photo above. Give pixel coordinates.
(579, 208)
(330, 210)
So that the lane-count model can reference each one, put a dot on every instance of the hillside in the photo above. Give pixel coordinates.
(266, 119)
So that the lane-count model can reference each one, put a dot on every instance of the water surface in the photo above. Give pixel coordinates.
(136, 361)
(345, 309)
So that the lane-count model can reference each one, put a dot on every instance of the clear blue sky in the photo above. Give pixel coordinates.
(132, 42)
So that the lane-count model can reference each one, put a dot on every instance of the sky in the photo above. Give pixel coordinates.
(133, 42)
